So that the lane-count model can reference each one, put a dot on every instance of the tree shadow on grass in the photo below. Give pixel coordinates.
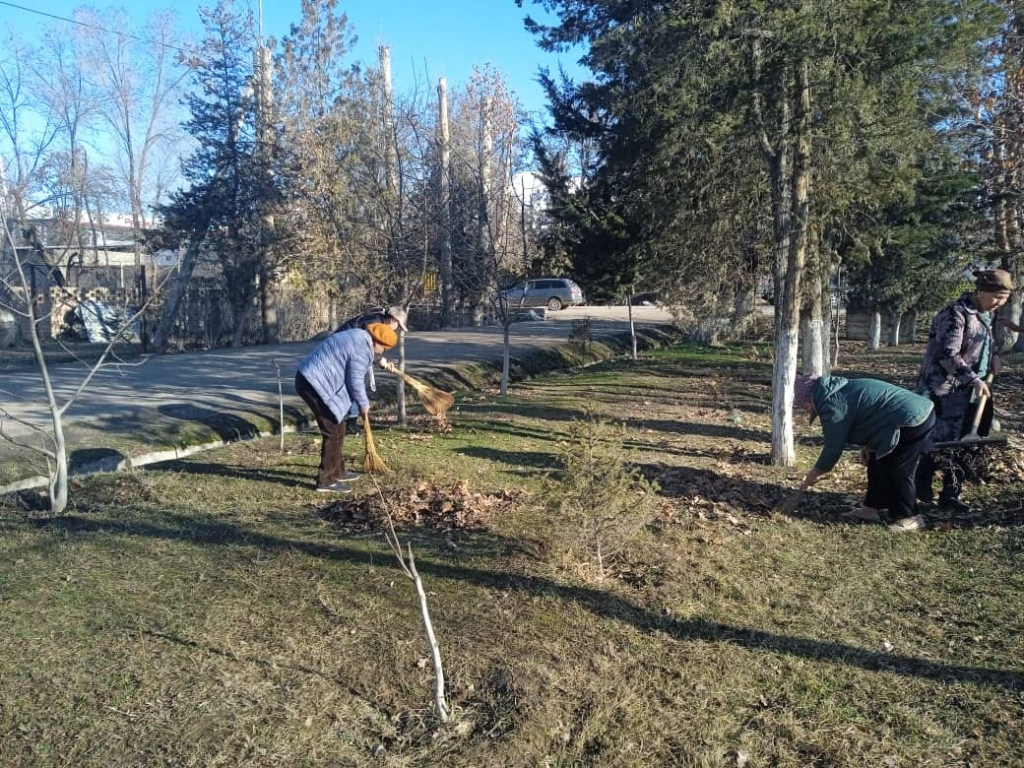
(83, 460)
(525, 410)
(256, 474)
(556, 413)
(508, 428)
(704, 429)
(602, 604)
(533, 459)
(729, 453)
(227, 426)
(745, 495)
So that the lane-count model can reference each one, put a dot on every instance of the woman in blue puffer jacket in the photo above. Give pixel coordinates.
(330, 379)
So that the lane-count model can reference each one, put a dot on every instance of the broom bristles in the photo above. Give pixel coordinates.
(373, 462)
(435, 401)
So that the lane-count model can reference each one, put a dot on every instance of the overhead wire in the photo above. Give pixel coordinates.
(94, 26)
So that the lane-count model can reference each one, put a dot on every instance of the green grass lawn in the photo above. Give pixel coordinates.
(216, 611)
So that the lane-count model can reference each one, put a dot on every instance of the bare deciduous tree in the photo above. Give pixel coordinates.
(17, 296)
(138, 87)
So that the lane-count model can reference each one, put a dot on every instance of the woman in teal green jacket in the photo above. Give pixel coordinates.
(893, 425)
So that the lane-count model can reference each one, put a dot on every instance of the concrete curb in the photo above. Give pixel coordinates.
(125, 463)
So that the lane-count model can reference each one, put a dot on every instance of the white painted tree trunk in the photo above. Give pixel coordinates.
(506, 356)
(791, 255)
(786, 148)
(632, 328)
(280, 404)
(894, 328)
(875, 330)
(400, 390)
(783, 378)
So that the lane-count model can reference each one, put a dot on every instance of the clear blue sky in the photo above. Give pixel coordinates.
(442, 38)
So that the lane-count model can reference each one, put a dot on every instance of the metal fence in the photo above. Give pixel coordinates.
(61, 290)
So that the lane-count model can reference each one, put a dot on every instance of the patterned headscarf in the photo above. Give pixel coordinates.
(804, 385)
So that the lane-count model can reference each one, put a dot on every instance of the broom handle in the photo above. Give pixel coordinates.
(980, 410)
(414, 383)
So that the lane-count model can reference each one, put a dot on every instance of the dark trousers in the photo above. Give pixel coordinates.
(891, 478)
(332, 432)
(955, 414)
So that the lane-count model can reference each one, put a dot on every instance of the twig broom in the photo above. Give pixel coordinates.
(435, 401)
(373, 462)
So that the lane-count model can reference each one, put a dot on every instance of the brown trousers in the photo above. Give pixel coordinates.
(332, 432)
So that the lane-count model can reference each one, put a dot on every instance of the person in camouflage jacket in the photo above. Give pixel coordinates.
(960, 354)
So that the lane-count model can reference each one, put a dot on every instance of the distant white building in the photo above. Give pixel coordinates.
(528, 187)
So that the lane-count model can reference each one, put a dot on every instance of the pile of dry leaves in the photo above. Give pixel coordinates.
(445, 508)
(426, 423)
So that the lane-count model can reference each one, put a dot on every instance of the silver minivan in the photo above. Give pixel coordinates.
(551, 292)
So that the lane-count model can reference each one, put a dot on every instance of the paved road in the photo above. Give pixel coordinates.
(244, 380)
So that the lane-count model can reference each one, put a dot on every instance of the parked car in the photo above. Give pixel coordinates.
(551, 292)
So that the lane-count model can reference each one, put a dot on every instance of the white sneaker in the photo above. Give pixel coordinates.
(909, 524)
(336, 487)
